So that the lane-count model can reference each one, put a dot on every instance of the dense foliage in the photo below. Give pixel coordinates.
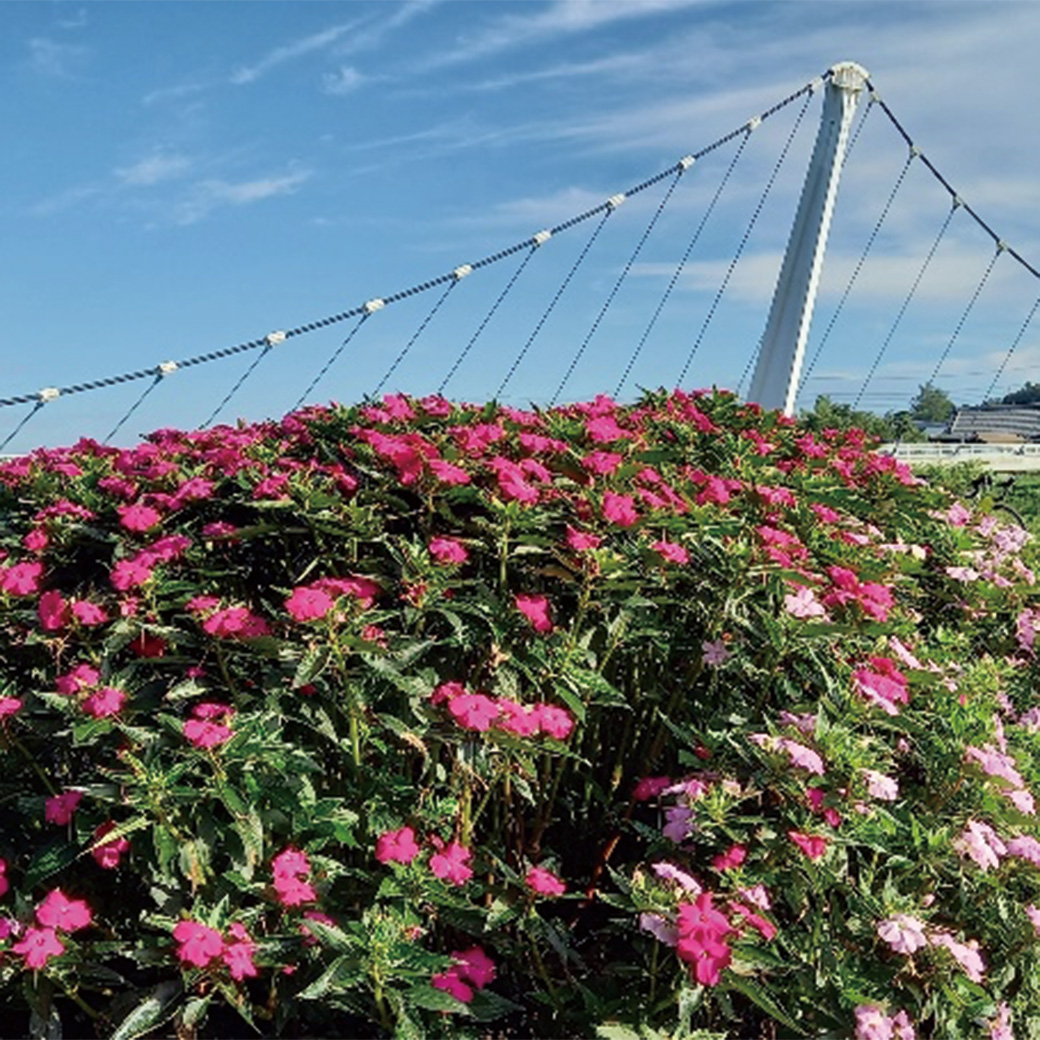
(666, 721)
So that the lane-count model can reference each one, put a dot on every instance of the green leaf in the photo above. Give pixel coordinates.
(751, 989)
(49, 860)
(157, 1007)
(435, 1000)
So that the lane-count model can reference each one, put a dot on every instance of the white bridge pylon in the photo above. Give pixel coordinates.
(782, 350)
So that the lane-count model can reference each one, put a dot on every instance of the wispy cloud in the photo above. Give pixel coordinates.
(345, 80)
(560, 18)
(55, 60)
(287, 52)
(154, 168)
(209, 195)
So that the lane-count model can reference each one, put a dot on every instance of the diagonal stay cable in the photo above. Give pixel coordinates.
(160, 373)
(18, 429)
(237, 386)
(1001, 248)
(682, 263)
(913, 154)
(332, 359)
(749, 129)
(684, 165)
(1012, 348)
(906, 303)
(555, 300)
(415, 335)
(487, 317)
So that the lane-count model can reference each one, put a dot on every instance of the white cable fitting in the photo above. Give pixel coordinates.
(687, 161)
(753, 124)
(374, 305)
(1002, 246)
(957, 202)
(915, 151)
(48, 393)
(463, 270)
(875, 97)
(166, 368)
(541, 238)
(272, 339)
(615, 200)
(816, 84)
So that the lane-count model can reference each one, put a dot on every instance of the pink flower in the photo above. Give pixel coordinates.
(238, 955)
(107, 855)
(619, 509)
(9, 706)
(802, 757)
(731, 859)
(475, 966)
(202, 731)
(292, 891)
(516, 718)
(474, 711)
(448, 550)
(36, 540)
(81, 677)
(1034, 917)
(965, 954)
(21, 579)
(544, 882)
(106, 702)
(451, 982)
(58, 911)
(53, 611)
(980, 842)
(87, 613)
(802, 603)
(308, 604)
(813, 845)
(880, 786)
(671, 551)
(38, 946)
(60, 808)
(447, 473)
(670, 872)
(198, 944)
(903, 933)
(138, 517)
(129, 574)
(872, 1023)
(1000, 1027)
(536, 610)
(553, 721)
(715, 654)
(452, 864)
(579, 541)
(290, 862)
(235, 623)
(702, 932)
(650, 787)
(397, 846)
(662, 930)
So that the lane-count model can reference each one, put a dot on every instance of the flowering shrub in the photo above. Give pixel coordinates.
(659, 721)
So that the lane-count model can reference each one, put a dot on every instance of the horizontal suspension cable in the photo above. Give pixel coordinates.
(321, 323)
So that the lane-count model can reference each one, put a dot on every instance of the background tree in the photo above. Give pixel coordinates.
(931, 404)
(1028, 394)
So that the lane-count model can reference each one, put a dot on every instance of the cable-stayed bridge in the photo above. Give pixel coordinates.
(852, 266)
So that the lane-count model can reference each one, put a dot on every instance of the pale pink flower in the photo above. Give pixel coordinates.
(882, 787)
(662, 930)
(670, 872)
(1034, 917)
(982, 844)
(802, 603)
(802, 757)
(804, 722)
(1026, 847)
(905, 934)
(715, 654)
(872, 1023)
(965, 954)
(1000, 1027)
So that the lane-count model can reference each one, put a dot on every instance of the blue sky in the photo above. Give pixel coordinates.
(182, 177)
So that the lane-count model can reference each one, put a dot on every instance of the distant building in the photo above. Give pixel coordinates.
(994, 424)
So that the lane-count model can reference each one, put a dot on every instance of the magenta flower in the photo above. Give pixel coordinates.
(107, 701)
(21, 579)
(235, 623)
(53, 611)
(397, 846)
(475, 966)
(516, 718)
(452, 864)
(619, 509)
(451, 982)
(60, 808)
(448, 550)
(87, 613)
(447, 473)
(38, 946)
(288, 869)
(58, 911)
(650, 787)
(80, 678)
(553, 721)
(198, 944)
(238, 955)
(108, 855)
(536, 610)
(203, 732)
(129, 574)
(308, 603)
(138, 517)
(812, 845)
(671, 551)
(9, 706)
(732, 858)
(544, 882)
(474, 711)
(579, 541)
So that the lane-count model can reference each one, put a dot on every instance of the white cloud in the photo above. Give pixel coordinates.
(54, 60)
(346, 80)
(208, 195)
(290, 51)
(154, 168)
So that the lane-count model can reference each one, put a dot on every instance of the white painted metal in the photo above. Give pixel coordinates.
(779, 368)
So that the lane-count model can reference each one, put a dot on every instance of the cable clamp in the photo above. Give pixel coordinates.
(1002, 246)
(753, 124)
(815, 84)
(48, 393)
(875, 97)
(541, 238)
(957, 202)
(461, 271)
(687, 161)
(374, 305)
(915, 151)
(615, 200)
(272, 339)
(166, 368)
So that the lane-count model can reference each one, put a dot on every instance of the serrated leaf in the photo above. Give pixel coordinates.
(49, 860)
(157, 1007)
(434, 999)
